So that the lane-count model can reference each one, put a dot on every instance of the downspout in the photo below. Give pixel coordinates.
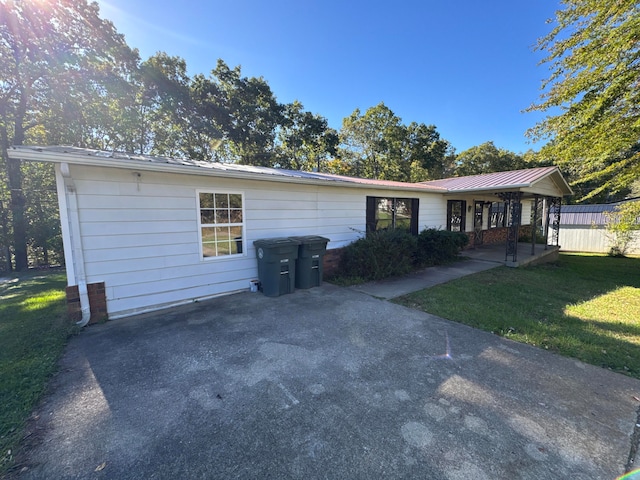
(74, 254)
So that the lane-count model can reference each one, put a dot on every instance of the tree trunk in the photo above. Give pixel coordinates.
(17, 206)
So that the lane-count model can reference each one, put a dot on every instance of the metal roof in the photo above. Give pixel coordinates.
(510, 180)
(593, 214)
(85, 156)
(488, 183)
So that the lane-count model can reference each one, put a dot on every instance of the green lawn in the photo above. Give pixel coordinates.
(33, 331)
(585, 307)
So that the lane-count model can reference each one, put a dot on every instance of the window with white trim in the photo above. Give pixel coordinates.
(221, 222)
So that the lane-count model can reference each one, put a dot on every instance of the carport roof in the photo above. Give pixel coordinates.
(523, 180)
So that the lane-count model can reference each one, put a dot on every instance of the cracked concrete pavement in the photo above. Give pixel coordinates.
(323, 383)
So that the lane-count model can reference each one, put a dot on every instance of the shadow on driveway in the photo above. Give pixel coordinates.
(324, 383)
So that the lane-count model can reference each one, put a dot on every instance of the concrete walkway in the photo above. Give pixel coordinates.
(476, 260)
(396, 287)
(323, 383)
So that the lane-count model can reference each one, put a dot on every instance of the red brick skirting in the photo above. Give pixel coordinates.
(97, 302)
(495, 236)
(331, 262)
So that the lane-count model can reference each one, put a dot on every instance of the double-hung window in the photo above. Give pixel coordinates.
(385, 213)
(221, 222)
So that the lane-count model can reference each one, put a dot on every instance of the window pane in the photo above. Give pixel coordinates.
(235, 200)
(403, 224)
(235, 216)
(206, 200)
(222, 200)
(222, 233)
(208, 249)
(455, 213)
(222, 215)
(384, 213)
(206, 216)
(208, 234)
(403, 214)
(224, 248)
(235, 232)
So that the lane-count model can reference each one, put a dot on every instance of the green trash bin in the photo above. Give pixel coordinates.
(309, 264)
(276, 265)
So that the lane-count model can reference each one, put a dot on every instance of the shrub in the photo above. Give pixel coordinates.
(381, 254)
(622, 224)
(436, 247)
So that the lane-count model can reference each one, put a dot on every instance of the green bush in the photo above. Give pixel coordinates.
(435, 247)
(381, 254)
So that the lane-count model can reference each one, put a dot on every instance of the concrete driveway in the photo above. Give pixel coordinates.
(324, 383)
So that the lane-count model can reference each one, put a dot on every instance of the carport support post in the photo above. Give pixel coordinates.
(534, 229)
(514, 208)
(555, 226)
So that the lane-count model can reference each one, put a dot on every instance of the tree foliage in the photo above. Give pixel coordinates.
(67, 77)
(378, 145)
(62, 68)
(623, 225)
(593, 53)
(487, 158)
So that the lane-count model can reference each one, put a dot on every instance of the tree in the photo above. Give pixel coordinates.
(249, 114)
(622, 225)
(55, 57)
(370, 143)
(41, 212)
(487, 158)
(377, 144)
(593, 54)
(429, 156)
(305, 140)
(155, 107)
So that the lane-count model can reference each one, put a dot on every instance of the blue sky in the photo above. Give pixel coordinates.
(465, 66)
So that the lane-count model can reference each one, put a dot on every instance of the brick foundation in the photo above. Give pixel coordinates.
(495, 236)
(97, 302)
(331, 262)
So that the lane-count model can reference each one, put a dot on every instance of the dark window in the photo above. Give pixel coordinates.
(497, 216)
(397, 213)
(456, 220)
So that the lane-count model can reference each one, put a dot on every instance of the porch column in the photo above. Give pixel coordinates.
(534, 227)
(513, 208)
(546, 211)
(556, 205)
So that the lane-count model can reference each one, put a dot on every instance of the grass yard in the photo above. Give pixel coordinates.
(585, 307)
(33, 331)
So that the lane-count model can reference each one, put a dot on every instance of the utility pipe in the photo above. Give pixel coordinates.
(67, 193)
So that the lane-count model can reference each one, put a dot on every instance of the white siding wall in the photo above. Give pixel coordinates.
(581, 238)
(140, 235)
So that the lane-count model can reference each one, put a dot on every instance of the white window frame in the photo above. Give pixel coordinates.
(201, 225)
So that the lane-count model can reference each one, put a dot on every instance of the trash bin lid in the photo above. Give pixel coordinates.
(275, 242)
(310, 239)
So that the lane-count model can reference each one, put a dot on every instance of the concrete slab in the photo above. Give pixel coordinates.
(323, 383)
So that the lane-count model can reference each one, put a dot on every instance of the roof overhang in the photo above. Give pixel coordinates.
(97, 158)
(543, 181)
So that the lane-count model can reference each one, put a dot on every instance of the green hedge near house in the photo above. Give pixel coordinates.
(436, 247)
(381, 254)
(390, 253)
